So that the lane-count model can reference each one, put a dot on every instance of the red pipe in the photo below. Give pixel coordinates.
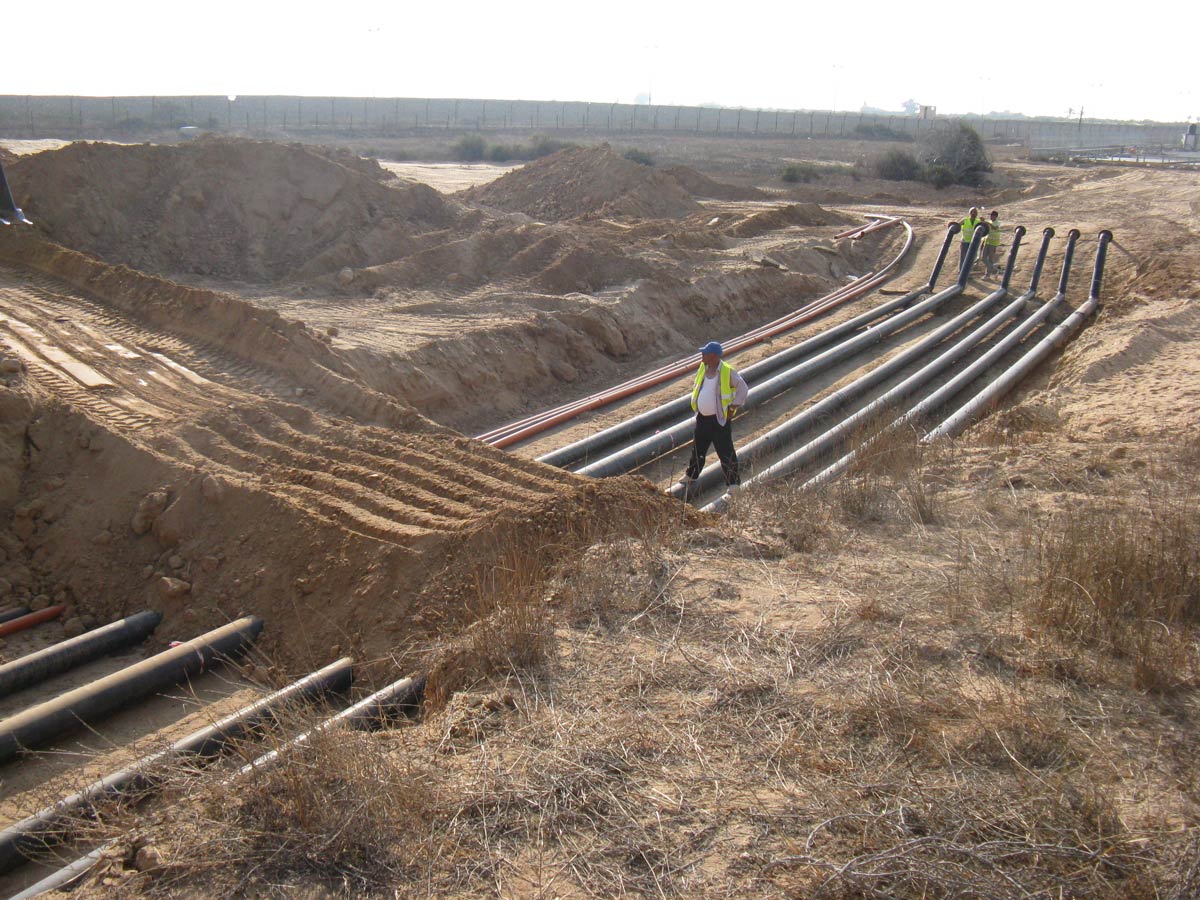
(34, 618)
(514, 432)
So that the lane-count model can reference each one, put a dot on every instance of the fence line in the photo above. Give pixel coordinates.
(76, 117)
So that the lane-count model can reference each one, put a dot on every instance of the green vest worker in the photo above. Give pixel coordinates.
(716, 395)
(968, 231)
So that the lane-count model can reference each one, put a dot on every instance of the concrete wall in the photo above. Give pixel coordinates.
(75, 117)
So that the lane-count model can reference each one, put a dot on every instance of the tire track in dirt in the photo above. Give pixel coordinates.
(396, 489)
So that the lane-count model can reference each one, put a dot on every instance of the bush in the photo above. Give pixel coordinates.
(499, 153)
(899, 165)
(939, 175)
(881, 133)
(469, 148)
(639, 156)
(958, 154)
(543, 146)
(801, 172)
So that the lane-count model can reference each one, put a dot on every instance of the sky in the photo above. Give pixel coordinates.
(1037, 58)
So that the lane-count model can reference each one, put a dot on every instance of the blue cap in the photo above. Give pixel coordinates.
(713, 347)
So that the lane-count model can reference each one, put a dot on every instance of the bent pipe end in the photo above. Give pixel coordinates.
(1047, 236)
(1105, 237)
(1068, 257)
(977, 238)
(951, 230)
(1018, 233)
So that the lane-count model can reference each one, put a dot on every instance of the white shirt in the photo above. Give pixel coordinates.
(709, 401)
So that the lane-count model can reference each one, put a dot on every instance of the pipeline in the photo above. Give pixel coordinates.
(905, 388)
(389, 701)
(918, 413)
(39, 724)
(12, 626)
(518, 431)
(669, 439)
(9, 212)
(392, 699)
(831, 404)
(13, 612)
(624, 431)
(75, 651)
(37, 831)
(975, 407)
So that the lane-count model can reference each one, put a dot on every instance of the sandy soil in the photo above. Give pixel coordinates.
(266, 378)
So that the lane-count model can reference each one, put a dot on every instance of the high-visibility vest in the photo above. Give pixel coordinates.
(727, 393)
(993, 237)
(968, 228)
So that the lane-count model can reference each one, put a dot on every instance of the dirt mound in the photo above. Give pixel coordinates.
(795, 214)
(587, 181)
(7, 157)
(236, 209)
(699, 185)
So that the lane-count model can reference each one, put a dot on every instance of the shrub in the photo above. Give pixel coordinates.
(881, 133)
(958, 155)
(939, 175)
(801, 172)
(469, 148)
(899, 165)
(499, 153)
(639, 156)
(543, 146)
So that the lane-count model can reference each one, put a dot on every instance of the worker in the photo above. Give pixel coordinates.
(991, 244)
(968, 230)
(717, 395)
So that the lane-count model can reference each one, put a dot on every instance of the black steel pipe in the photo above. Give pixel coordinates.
(679, 434)
(84, 705)
(787, 432)
(990, 395)
(75, 651)
(978, 236)
(1068, 256)
(13, 612)
(372, 710)
(37, 831)
(951, 231)
(8, 207)
(620, 433)
(821, 444)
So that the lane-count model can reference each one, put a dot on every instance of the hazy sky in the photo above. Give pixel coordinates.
(1040, 58)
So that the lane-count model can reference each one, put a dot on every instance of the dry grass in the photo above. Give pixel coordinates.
(1125, 577)
(628, 722)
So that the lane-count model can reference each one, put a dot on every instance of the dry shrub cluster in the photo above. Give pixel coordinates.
(1126, 579)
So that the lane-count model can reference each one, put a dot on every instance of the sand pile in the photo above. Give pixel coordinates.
(241, 210)
(699, 185)
(795, 214)
(587, 181)
(7, 157)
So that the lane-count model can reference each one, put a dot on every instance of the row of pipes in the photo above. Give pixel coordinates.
(87, 705)
(523, 429)
(650, 435)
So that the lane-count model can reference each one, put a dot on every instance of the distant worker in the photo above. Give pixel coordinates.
(991, 244)
(717, 395)
(968, 230)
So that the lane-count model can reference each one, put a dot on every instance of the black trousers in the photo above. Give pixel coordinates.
(711, 432)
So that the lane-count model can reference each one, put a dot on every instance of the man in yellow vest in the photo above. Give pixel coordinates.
(991, 244)
(716, 396)
(968, 231)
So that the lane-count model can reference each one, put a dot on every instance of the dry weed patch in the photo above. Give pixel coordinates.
(1125, 577)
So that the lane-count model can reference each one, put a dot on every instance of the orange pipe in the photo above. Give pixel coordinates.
(514, 432)
(34, 618)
